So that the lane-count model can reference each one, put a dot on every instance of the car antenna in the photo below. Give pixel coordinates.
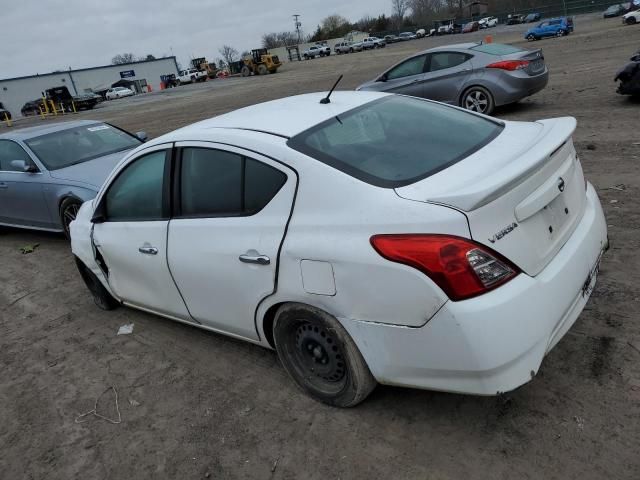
(326, 99)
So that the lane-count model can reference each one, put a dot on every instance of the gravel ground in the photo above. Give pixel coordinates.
(200, 405)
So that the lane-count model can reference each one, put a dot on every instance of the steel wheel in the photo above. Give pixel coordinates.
(478, 100)
(320, 356)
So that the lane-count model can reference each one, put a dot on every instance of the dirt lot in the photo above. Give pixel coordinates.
(195, 404)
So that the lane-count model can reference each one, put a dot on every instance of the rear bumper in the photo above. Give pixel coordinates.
(496, 342)
(511, 87)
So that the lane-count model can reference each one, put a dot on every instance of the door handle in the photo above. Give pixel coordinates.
(148, 250)
(251, 257)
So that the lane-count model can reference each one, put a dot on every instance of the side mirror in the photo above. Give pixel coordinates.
(383, 78)
(142, 136)
(22, 166)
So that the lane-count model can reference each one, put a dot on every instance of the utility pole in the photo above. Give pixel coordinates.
(298, 25)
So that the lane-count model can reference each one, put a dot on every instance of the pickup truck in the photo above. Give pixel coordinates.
(316, 50)
(373, 42)
(192, 75)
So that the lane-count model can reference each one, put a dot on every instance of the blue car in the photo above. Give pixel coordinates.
(556, 27)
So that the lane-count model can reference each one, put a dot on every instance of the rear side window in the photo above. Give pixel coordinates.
(397, 140)
(442, 60)
(215, 183)
(496, 49)
(137, 193)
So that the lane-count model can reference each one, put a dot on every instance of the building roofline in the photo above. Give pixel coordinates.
(90, 68)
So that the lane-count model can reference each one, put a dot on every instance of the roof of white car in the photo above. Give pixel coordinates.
(283, 117)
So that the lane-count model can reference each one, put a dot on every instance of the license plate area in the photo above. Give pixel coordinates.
(536, 66)
(556, 215)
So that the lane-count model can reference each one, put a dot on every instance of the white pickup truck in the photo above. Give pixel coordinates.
(191, 75)
(373, 42)
(316, 50)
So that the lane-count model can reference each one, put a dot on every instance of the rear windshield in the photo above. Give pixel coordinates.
(76, 145)
(496, 49)
(397, 140)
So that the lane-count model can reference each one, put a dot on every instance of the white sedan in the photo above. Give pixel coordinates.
(631, 18)
(119, 92)
(373, 239)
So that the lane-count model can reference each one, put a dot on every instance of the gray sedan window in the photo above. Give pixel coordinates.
(413, 66)
(10, 151)
(442, 60)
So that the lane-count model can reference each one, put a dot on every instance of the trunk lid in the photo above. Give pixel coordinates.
(535, 57)
(523, 194)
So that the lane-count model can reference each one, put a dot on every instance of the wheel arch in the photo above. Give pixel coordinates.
(267, 315)
(475, 83)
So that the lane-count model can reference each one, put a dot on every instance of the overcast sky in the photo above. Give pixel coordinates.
(39, 36)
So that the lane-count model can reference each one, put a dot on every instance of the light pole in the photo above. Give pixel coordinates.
(298, 25)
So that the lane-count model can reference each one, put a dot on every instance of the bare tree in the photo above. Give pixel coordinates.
(333, 22)
(399, 8)
(270, 40)
(123, 58)
(229, 54)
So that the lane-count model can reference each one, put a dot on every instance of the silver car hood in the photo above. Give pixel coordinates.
(93, 172)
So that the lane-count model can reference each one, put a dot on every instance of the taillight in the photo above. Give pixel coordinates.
(510, 65)
(460, 267)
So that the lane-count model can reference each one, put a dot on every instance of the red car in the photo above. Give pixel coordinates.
(471, 27)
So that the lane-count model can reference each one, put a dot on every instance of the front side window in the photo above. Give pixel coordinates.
(137, 193)
(10, 151)
(215, 183)
(443, 60)
(413, 66)
(397, 140)
(79, 144)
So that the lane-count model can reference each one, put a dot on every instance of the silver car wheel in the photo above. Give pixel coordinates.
(476, 101)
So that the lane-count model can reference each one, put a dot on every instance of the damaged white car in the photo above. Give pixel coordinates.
(368, 238)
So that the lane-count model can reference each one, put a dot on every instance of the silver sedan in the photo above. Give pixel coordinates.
(47, 172)
(475, 76)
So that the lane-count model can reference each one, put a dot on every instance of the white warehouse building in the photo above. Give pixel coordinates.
(142, 76)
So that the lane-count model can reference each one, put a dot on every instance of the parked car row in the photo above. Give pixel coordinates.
(369, 43)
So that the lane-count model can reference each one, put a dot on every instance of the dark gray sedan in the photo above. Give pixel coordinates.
(47, 172)
(475, 76)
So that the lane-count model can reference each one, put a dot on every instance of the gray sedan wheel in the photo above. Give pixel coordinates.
(478, 99)
(68, 211)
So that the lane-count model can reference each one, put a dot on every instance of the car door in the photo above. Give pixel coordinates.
(130, 234)
(406, 78)
(447, 74)
(22, 200)
(225, 236)
(545, 29)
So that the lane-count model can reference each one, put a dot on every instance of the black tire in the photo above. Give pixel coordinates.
(478, 99)
(262, 69)
(101, 296)
(320, 356)
(245, 71)
(560, 33)
(68, 211)
(531, 37)
(631, 21)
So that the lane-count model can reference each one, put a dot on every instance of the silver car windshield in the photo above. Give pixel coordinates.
(76, 145)
(397, 140)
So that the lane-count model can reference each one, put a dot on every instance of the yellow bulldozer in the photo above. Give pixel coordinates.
(260, 62)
